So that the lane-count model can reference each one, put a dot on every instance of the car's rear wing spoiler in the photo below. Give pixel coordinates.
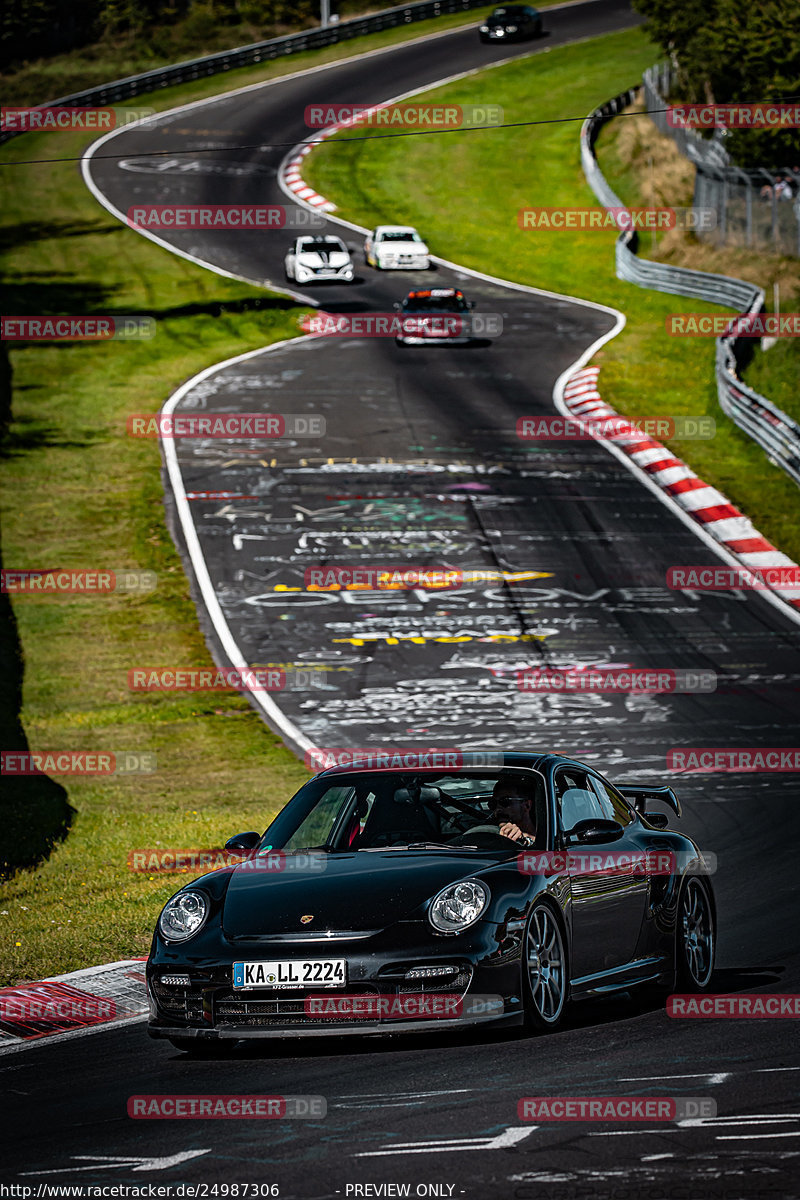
(640, 793)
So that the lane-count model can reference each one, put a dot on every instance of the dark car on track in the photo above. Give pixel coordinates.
(434, 315)
(383, 898)
(512, 23)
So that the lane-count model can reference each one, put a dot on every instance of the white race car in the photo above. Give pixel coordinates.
(311, 258)
(396, 247)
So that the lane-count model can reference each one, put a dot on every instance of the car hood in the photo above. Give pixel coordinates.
(360, 891)
(401, 247)
(317, 258)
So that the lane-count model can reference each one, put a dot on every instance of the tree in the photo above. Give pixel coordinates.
(723, 51)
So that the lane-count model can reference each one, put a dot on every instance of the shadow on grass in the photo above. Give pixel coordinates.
(12, 236)
(43, 294)
(34, 810)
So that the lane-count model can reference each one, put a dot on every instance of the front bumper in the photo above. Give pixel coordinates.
(485, 963)
(395, 264)
(309, 274)
(359, 1029)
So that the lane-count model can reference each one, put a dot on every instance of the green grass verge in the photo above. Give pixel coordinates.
(464, 191)
(775, 373)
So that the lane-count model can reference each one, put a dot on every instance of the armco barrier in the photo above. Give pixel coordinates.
(247, 56)
(773, 429)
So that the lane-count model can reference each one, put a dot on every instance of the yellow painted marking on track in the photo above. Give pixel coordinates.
(418, 640)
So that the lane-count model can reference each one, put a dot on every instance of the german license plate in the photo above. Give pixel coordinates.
(291, 973)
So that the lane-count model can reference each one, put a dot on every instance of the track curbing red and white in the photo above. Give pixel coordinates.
(693, 496)
(72, 1005)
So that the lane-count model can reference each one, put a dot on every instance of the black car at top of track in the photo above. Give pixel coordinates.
(511, 23)
(383, 884)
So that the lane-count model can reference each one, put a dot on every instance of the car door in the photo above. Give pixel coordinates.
(608, 897)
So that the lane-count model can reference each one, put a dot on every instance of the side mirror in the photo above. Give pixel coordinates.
(472, 303)
(396, 307)
(595, 830)
(241, 842)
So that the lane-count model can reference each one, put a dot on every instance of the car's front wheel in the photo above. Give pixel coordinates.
(696, 937)
(544, 969)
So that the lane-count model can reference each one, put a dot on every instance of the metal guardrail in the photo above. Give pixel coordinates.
(258, 52)
(773, 429)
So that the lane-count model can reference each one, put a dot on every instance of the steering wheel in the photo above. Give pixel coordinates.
(460, 822)
(484, 831)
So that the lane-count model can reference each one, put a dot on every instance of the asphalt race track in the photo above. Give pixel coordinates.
(420, 464)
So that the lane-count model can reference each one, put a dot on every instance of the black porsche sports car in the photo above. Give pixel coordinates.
(385, 898)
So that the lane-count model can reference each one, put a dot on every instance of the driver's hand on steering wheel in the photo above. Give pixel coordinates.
(512, 831)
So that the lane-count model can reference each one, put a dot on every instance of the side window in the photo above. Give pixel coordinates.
(318, 825)
(618, 809)
(604, 797)
(576, 799)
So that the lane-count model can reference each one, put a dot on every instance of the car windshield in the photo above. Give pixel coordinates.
(323, 243)
(429, 812)
(445, 304)
(509, 12)
(399, 235)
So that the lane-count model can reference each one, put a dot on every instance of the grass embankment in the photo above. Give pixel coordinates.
(464, 192)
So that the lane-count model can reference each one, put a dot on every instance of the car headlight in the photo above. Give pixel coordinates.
(458, 906)
(182, 916)
(484, 28)
(511, 28)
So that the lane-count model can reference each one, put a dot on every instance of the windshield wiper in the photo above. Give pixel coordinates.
(304, 849)
(437, 846)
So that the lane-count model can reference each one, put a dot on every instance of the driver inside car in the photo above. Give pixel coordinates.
(512, 807)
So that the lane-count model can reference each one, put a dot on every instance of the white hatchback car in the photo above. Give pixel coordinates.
(396, 247)
(324, 257)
